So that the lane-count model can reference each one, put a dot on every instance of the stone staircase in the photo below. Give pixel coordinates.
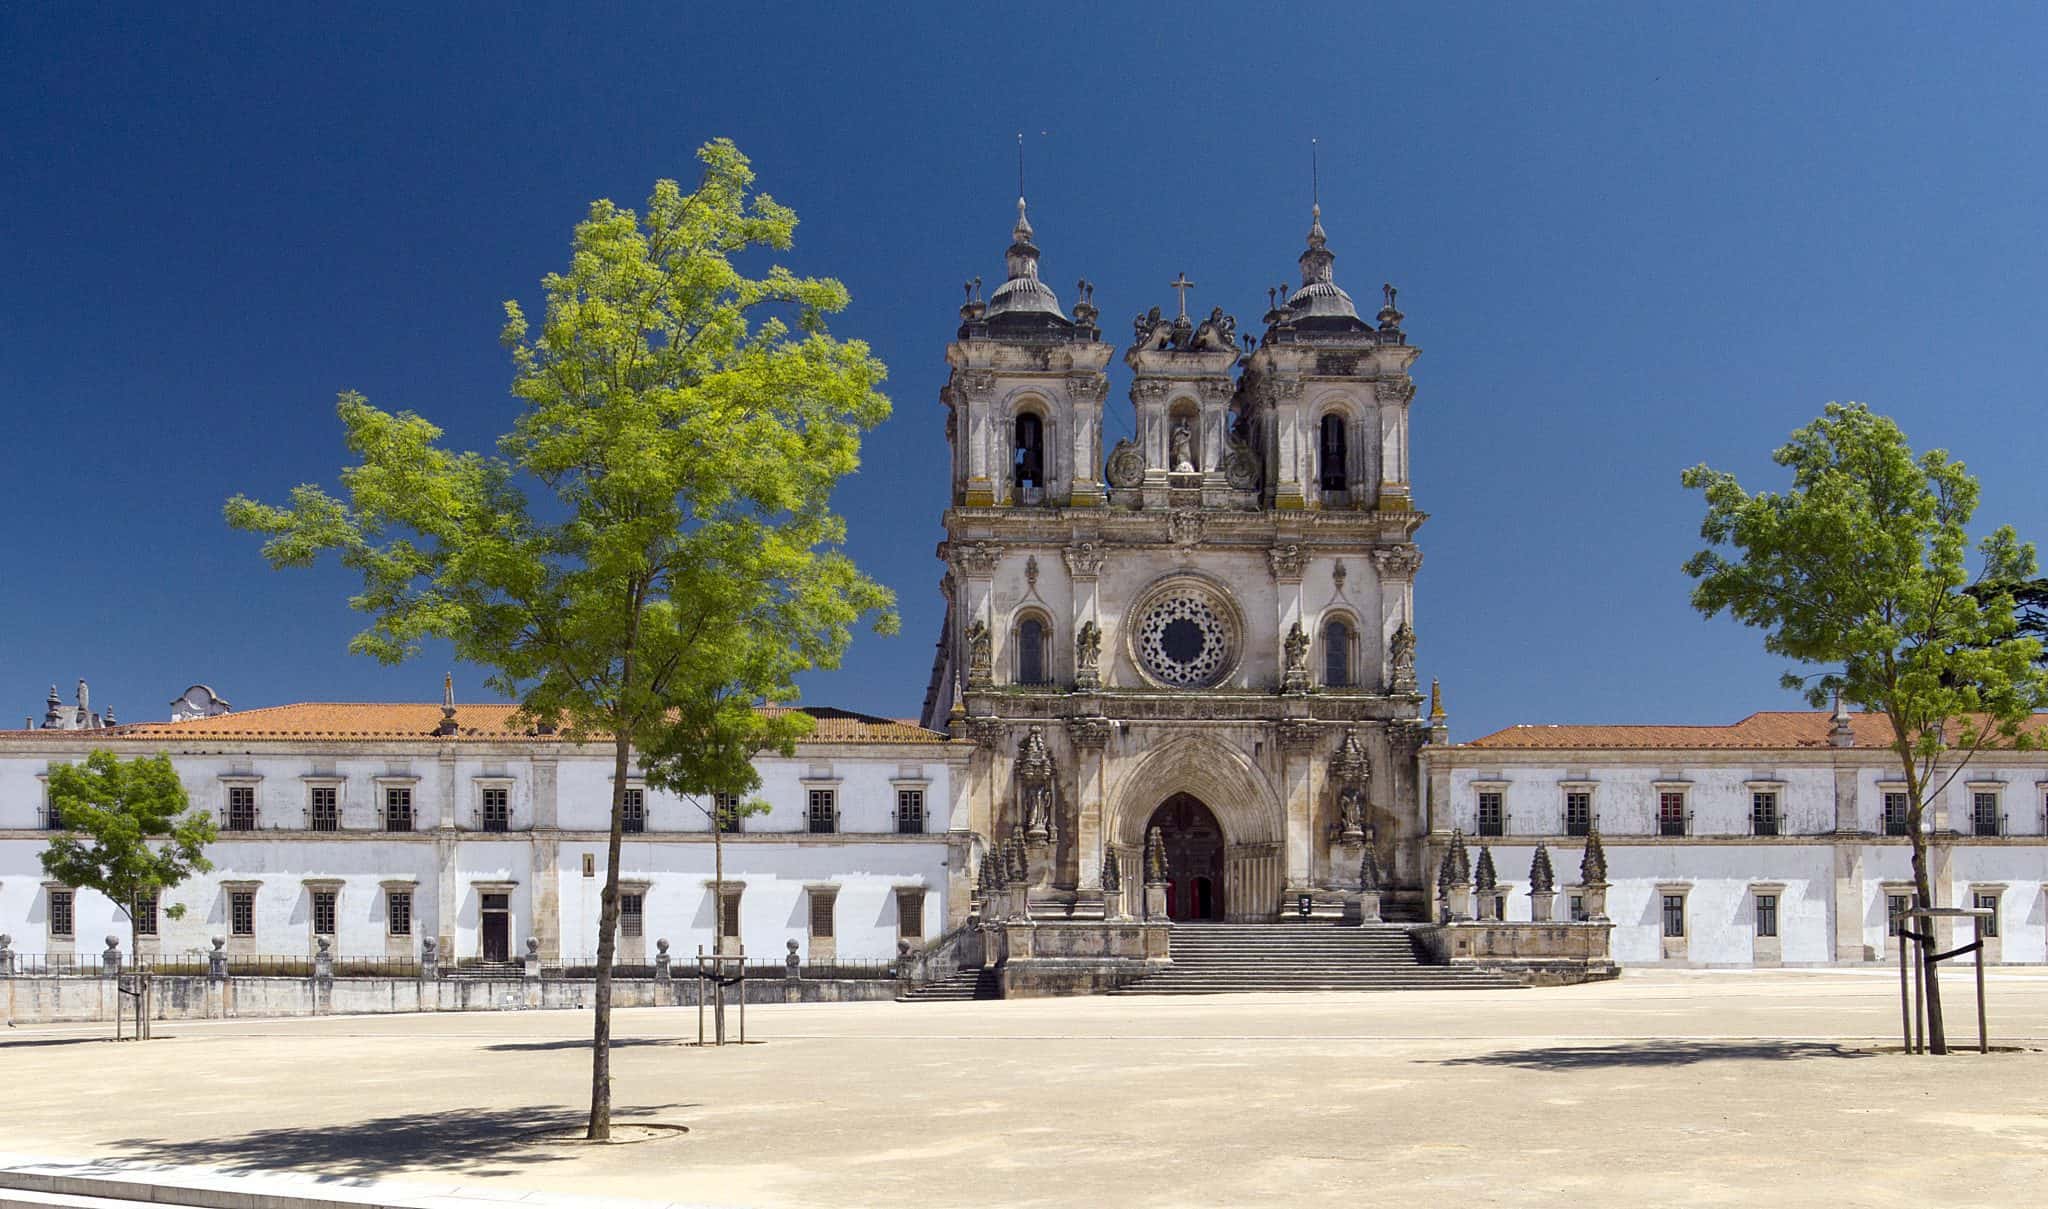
(1212, 959)
(959, 986)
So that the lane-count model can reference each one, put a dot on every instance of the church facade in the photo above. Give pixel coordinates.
(1204, 631)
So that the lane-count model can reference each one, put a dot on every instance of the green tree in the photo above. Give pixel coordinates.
(1860, 570)
(127, 833)
(664, 490)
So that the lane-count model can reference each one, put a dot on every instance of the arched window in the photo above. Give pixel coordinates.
(1031, 652)
(1337, 655)
(1030, 450)
(1332, 446)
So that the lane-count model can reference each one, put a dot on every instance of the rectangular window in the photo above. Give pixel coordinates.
(1895, 812)
(727, 808)
(824, 811)
(241, 808)
(1987, 902)
(397, 808)
(821, 915)
(1671, 814)
(1894, 910)
(60, 912)
(145, 913)
(53, 818)
(910, 915)
(1490, 820)
(398, 912)
(323, 808)
(1578, 812)
(635, 817)
(323, 912)
(242, 912)
(497, 808)
(729, 914)
(1763, 813)
(1767, 915)
(1674, 915)
(910, 811)
(1578, 908)
(1984, 813)
(632, 914)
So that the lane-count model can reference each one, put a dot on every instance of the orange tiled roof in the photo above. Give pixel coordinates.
(418, 720)
(1765, 730)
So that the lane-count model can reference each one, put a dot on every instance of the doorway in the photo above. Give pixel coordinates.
(1194, 858)
(497, 927)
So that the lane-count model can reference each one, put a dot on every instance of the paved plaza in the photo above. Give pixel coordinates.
(1671, 1088)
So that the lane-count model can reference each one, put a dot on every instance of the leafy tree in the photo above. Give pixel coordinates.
(127, 832)
(1859, 570)
(665, 487)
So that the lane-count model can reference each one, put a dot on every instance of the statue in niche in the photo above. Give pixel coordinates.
(1351, 812)
(980, 660)
(1183, 448)
(1401, 649)
(1087, 649)
(1294, 679)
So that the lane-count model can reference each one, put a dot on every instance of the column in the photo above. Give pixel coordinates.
(1284, 397)
(977, 388)
(1085, 394)
(1084, 568)
(448, 896)
(1286, 564)
(1395, 492)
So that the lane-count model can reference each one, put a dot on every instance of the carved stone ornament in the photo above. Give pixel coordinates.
(1241, 466)
(977, 559)
(1090, 387)
(1284, 390)
(1407, 737)
(1542, 878)
(1126, 464)
(1085, 559)
(1401, 658)
(977, 383)
(1370, 879)
(1396, 562)
(1299, 734)
(1394, 390)
(1112, 872)
(1090, 730)
(1338, 575)
(1295, 678)
(1593, 865)
(1031, 571)
(1184, 526)
(1287, 561)
(1183, 447)
(1350, 772)
(1484, 880)
(1155, 856)
(987, 733)
(980, 665)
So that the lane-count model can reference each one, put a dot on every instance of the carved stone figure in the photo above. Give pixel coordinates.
(1351, 772)
(1126, 464)
(1087, 652)
(1295, 678)
(1150, 331)
(1401, 657)
(1155, 856)
(1034, 783)
(980, 659)
(1183, 449)
(1217, 333)
(1184, 526)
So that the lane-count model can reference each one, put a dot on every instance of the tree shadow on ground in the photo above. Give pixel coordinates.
(1654, 1053)
(21, 1042)
(471, 1142)
(530, 1047)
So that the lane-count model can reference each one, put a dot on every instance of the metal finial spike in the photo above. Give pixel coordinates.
(1315, 176)
(1020, 170)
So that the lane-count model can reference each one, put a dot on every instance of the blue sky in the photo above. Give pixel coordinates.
(1628, 239)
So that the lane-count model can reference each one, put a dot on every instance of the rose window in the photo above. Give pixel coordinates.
(1184, 640)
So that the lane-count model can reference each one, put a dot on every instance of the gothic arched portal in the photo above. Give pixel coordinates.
(1194, 857)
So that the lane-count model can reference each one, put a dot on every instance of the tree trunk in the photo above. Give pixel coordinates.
(607, 927)
(718, 922)
(1923, 895)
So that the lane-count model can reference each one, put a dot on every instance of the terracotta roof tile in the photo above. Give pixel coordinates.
(409, 720)
(1766, 730)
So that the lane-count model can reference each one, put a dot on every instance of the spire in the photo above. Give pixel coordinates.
(1484, 880)
(1542, 878)
(447, 726)
(1842, 733)
(1436, 703)
(1023, 293)
(1593, 865)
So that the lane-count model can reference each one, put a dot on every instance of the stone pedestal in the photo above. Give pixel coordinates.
(1458, 901)
(1155, 900)
(1368, 907)
(532, 959)
(1541, 906)
(1595, 896)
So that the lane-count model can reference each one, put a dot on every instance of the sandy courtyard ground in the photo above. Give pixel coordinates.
(1664, 1088)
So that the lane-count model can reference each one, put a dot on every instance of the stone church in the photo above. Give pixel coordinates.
(1205, 631)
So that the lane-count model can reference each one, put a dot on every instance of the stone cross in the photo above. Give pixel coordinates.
(1182, 284)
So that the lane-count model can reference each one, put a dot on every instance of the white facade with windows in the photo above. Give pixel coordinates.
(1777, 840)
(362, 823)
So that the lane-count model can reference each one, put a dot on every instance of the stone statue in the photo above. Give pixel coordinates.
(1151, 331)
(1217, 333)
(1155, 856)
(1241, 465)
(1294, 679)
(1126, 464)
(1401, 651)
(980, 661)
(1087, 646)
(1351, 812)
(1183, 449)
